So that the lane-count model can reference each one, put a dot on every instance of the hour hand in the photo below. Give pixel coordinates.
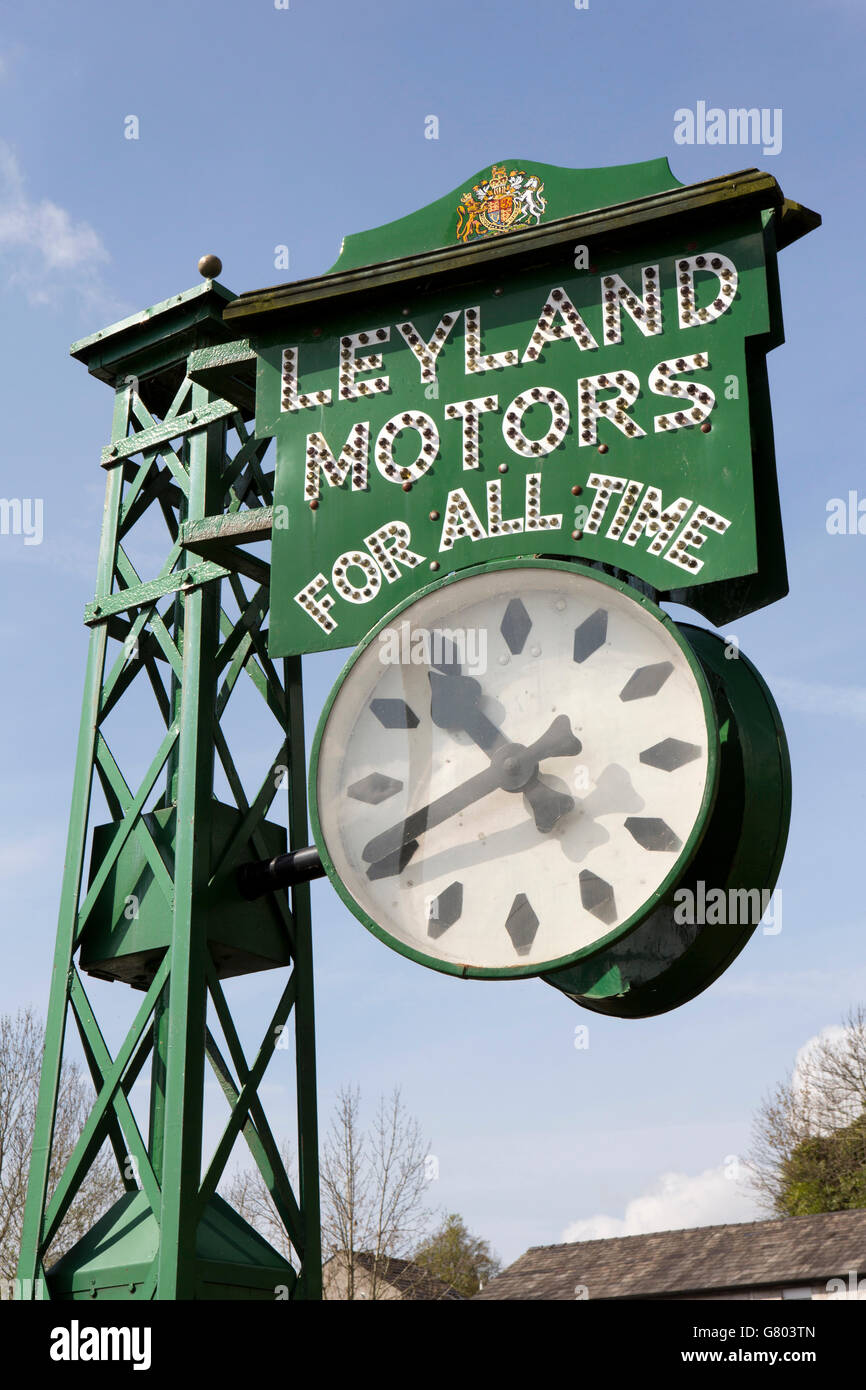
(454, 706)
(548, 806)
(557, 741)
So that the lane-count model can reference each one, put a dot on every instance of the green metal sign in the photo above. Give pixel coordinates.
(592, 387)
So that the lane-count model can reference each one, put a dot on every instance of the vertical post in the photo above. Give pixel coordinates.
(187, 995)
(305, 1033)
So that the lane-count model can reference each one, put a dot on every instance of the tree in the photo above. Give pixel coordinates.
(826, 1173)
(460, 1259)
(22, 1042)
(809, 1136)
(247, 1192)
(372, 1189)
(373, 1186)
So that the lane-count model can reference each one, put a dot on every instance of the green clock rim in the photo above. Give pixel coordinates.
(748, 861)
(517, 972)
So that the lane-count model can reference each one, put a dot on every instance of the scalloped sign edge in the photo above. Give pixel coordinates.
(507, 195)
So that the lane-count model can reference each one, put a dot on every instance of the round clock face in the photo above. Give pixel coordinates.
(513, 768)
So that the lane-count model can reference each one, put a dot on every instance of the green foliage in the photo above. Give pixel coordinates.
(454, 1255)
(825, 1173)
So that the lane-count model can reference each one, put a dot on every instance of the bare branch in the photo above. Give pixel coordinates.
(22, 1042)
(823, 1096)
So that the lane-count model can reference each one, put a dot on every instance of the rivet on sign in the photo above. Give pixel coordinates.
(434, 516)
(503, 467)
(498, 289)
(407, 487)
(706, 427)
(576, 490)
(314, 505)
(577, 535)
(434, 564)
(602, 448)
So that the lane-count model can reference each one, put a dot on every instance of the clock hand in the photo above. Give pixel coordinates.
(547, 804)
(556, 742)
(513, 768)
(431, 815)
(454, 705)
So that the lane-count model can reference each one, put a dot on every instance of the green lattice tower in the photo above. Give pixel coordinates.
(159, 907)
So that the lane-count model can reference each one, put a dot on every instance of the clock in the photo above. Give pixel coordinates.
(695, 933)
(514, 768)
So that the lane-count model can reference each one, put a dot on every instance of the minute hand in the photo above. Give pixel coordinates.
(515, 769)
(454, 705)
(433, 814)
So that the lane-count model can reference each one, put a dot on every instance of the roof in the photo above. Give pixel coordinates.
(790, 1250)
(409, 1278)
(729, 196)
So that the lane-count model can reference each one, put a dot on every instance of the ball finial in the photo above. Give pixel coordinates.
(210, 266)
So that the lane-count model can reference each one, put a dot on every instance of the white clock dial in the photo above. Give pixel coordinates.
(513, 767)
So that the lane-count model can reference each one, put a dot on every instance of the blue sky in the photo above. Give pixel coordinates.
(261, 127)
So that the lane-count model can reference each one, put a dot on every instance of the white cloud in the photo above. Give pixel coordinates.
(44, 249)
(833, 1033)
(813, 697)
(848, 1106)
(677, 1200)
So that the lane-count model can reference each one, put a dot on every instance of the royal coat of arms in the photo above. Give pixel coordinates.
(501, 203)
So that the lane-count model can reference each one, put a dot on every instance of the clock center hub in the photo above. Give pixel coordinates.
(516, 766)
